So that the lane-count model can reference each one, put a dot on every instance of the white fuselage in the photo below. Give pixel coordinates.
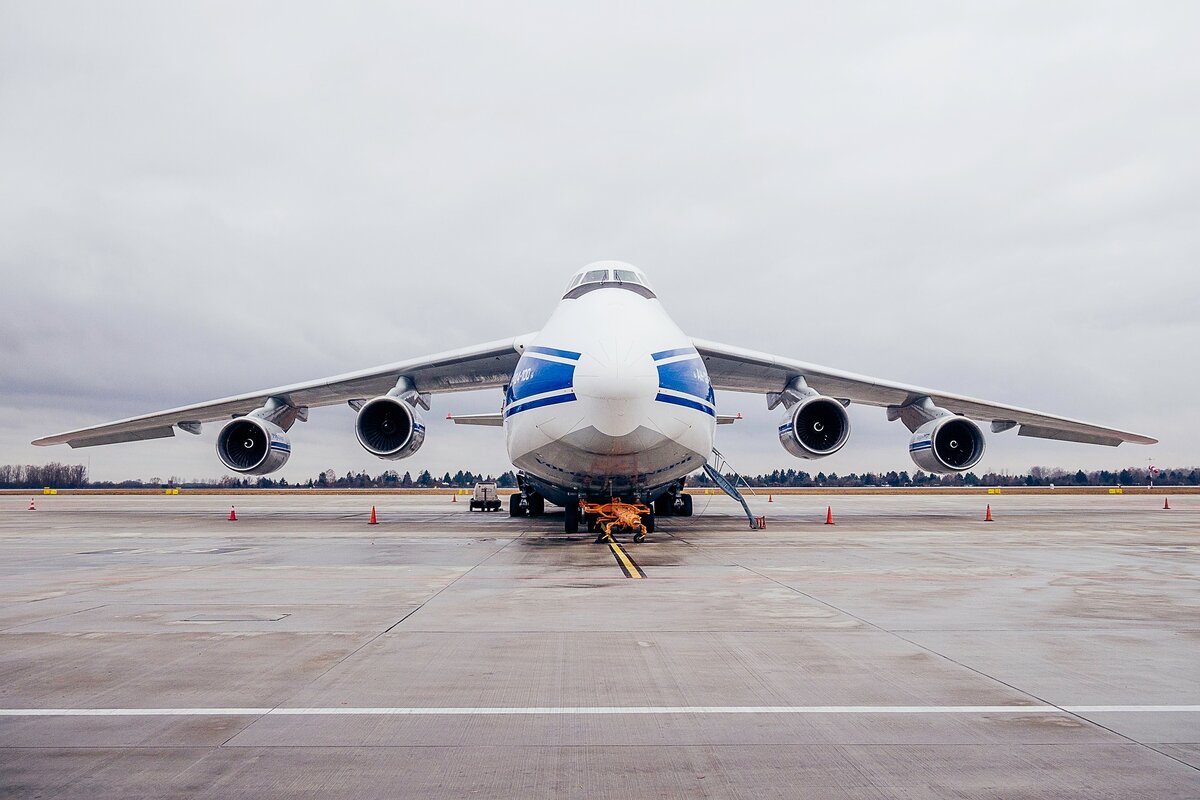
(610, 398)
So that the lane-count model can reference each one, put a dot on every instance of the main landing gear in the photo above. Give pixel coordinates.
(571, 514)
(520, 504)
(533, 504)
(673, 504)
(684, 505)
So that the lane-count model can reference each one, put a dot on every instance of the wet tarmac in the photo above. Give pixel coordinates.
(151, 648)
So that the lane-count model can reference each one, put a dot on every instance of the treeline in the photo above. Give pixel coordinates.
(59, 476)
(1037, 476)
(65, 476)
(68, 476)
(463, 479)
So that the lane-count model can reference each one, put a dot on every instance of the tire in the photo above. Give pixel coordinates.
(686, 511)
(591, 522)
(571, 517)
(648, 521)
(664, 505)
(514, 505)
(537, 505)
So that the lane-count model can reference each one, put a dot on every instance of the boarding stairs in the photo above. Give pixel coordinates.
(719, 465)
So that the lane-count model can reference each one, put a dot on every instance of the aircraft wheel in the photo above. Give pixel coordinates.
(591, 522)
(648, 521)
(537, 505)
(664, 505)
(686, 510)
(571, 517)
(514, 505)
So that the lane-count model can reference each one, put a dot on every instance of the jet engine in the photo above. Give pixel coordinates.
(947, 444)
(389, 427)
(253, 446)
(814, 427)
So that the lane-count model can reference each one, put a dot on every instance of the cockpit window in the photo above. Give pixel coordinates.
(592, 279)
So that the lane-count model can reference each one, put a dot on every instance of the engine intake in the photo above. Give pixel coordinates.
(815, 427)
(947, 444)
(253, 446)
(389, 428)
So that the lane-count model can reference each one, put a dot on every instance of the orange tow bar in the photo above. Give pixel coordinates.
(616, 515)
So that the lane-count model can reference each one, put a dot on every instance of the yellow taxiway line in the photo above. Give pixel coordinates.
(626, 563)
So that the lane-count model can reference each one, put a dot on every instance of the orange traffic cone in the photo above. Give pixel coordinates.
(828, 515)
(770, 498)
(988, 516)
(32, 507)
(454, 497)
(232, 515)
(1166, 504)
(373, 520)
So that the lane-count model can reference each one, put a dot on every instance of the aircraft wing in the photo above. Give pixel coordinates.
(739, 370)
(479, 367)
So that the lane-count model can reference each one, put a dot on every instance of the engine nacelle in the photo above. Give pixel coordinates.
(390, 428)
(253, 446)
(815, 427)
(947, 444)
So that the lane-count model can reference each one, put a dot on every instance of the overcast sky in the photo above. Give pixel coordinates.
(201, 199)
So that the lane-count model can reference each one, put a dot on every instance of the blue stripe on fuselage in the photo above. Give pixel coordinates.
(534, 376)
(545, 401)
(550, 351)
(686, 403)
(678, 351)
(687, 376)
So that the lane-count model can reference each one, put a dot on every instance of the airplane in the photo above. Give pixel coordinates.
(610, 399)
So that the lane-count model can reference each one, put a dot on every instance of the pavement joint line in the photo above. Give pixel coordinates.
(260, 713)
(16, 628)
(300, 711)
(1079, 712)
(171, 570)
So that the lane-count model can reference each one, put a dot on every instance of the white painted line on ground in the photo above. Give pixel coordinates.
(579, 710)
(1103, 709)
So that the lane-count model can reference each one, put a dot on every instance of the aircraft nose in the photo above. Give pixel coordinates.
(618, 382)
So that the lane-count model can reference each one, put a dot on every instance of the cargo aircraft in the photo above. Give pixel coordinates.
(610, 399)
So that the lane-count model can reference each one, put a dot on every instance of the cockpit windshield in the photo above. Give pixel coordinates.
(619, 276)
